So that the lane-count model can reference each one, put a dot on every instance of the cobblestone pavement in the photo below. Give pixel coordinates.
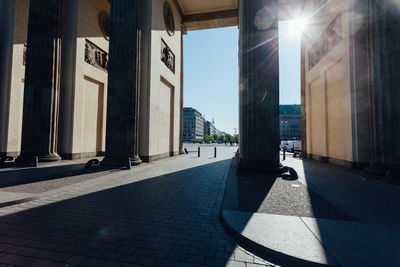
(163, 213)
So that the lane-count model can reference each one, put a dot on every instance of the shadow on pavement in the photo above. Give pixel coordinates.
(23, 176)
(374, 238)
(157, 221)
(279, 194)
(254, 200)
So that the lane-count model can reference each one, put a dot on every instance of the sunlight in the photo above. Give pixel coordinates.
(297, 26)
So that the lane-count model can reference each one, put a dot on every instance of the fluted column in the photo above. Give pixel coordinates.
(181, 102)
(122, 98)
(68, 77)
(385, 94)
(7, 12)
(41, 95)
(259, 85)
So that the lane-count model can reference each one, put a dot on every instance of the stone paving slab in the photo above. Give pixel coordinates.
(165, 213)
(9, 198)
(323, 241)
(281, 234)
(357, 243)
(47, 176)
(367, 200)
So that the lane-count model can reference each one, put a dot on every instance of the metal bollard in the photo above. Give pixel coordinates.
(198, 152)
(215, 152)
(284, 153)
(129, 164)
(36, 161)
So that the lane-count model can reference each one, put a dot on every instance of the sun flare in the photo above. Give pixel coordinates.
(297, 26)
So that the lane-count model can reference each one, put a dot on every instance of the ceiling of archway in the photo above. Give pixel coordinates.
(207, 14)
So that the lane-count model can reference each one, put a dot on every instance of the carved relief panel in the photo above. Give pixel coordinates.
(167, 56)
(326, 42)
(95, 56)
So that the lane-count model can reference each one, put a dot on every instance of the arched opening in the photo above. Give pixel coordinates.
(210, 114)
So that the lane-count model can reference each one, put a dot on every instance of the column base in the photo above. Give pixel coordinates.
(119, 161)
(261, 166)
(30, 157)
(136, 161)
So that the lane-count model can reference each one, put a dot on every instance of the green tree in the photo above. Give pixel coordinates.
(229, 137)
(216, 137)
(208, 138)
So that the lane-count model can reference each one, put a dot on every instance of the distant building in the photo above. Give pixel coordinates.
(290, 122)
(193, 125)
(209, 128)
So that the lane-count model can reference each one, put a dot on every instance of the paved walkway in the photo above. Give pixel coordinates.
(319, 214)
(164, 213)
(21, 184)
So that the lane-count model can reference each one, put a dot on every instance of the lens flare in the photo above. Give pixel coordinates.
(396, 3)
(264, 19)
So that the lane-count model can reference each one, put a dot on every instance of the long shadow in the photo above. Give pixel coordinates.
(373, 238)
(31, 175)
(277, 194)
(158, 221)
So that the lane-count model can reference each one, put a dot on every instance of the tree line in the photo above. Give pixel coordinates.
(221, 138)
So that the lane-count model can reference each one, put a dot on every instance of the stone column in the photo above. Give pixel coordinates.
(303, 98)
(41, 96)
(360, 77)
(259, 85)
(181, 101)
(385, 93)
(123, 91)
(68, 77)
(7, 12)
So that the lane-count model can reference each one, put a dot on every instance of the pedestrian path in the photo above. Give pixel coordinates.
(164, 213)
(320, 214)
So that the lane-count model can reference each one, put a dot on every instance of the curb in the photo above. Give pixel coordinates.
(276, 257)
(18, 201)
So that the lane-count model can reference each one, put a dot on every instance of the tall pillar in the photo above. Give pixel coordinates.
(259, 85)
(181, 102)
(68, 77)
(123, 91)
(385, 94)
(303, 98)
(7, 12)
(41, 96)
(360, 77)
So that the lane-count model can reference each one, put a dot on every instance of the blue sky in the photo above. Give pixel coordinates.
(211, 73)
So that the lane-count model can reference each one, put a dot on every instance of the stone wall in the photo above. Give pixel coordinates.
(91, 81)
(83, 90)
(83, 110)
(17, 78)
(160, 92)
(327, 80)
